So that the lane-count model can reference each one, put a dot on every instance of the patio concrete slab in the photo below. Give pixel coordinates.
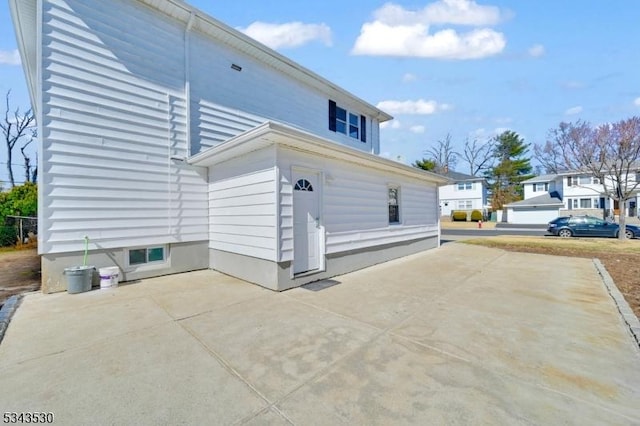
(458, 335)
(159, 375)
(276, 343)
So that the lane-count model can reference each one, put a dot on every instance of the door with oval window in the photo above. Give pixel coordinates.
(306, 222)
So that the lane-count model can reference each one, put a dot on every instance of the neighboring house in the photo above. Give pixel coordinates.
(175, 143)
(549, 196)
(466, 193)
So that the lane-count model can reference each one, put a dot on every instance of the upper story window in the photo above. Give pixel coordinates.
(540, 187)
(465, 186)
(582, 180)
(347, 122)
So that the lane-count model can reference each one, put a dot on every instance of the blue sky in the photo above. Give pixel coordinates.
(468, 68)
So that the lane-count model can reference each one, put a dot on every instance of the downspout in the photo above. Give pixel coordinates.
(169, 192)
(187, 99)
(187, 80)
(43, 210)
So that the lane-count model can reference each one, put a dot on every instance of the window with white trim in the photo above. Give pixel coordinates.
(585, 203)
(394, 204)
(465, 204)
(584, 180)
(462, 186)
(540, 187)
(347, 122)
(147, 255)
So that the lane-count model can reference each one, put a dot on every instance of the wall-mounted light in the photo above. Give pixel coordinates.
(236, 67)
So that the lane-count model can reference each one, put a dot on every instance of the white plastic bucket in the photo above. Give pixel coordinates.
(109, 276)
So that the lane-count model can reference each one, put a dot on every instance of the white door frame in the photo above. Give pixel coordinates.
(302, 170)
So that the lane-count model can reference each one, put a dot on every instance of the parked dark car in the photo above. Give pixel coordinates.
(589, 226)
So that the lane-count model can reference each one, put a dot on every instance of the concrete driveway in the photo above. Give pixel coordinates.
(458, 335)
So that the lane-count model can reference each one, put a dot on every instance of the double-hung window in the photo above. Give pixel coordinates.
(462, 186)
(585, 203)
(540, 187)
(347, 122)
(584, 180)
(465, 204)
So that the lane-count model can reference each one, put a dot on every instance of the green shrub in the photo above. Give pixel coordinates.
(476, 216)
(8, 236)
(459, 216)
(19, 201)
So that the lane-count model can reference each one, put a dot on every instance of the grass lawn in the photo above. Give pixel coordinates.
(621, 258)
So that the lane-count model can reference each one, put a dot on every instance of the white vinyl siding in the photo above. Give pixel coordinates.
(242, 199)
(355, 210)
(110, 126)
(225, 102)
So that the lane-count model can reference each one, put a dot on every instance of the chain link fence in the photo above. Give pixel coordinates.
(18, 230)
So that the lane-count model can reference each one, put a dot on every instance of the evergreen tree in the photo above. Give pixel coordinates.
(513, 166)
(425, 164)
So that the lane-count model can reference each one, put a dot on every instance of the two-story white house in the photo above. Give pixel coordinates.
(175, 142)
(465, 193)
(549, 196)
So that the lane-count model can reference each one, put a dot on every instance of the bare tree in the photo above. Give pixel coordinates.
(610, 152)
(30, 171)
(443, 155)
(549, 156)
(478, 155)
(14, 127)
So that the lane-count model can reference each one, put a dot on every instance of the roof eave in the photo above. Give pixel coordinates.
(28, 49)
(271, 133)
(256, 48)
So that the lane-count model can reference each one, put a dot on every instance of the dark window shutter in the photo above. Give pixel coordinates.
(332, 115)
(546, 186)
(363, 128)
(534, 187)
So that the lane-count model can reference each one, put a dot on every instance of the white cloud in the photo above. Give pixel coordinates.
(379, 39)
(393, 124)
(10, 57)
(397, 31)
(419, 107)
(417, 129)
(536, 50)
(636, 102)
(573, 110)
(291, 34)
(408, 78)
(483, 133)
(457, 12)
